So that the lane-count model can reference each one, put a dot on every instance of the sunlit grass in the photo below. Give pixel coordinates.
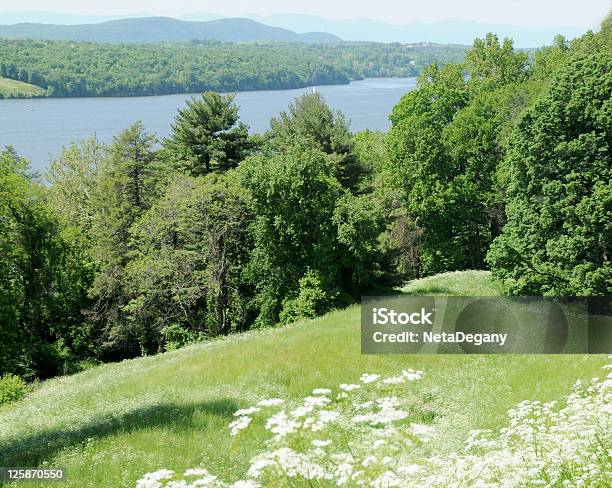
(109, 425)
(13, 88)
(470, 283)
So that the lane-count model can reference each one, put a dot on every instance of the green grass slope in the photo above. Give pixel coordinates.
(19, 89)
(109, 425)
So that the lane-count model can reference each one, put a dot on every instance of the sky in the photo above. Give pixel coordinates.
(536, 13)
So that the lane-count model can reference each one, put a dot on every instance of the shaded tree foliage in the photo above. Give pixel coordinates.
(445, 147)
(559, 233)
(125, 190)
(185, 271)
(44, 275)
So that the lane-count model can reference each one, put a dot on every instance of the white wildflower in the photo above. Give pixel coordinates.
(240, 424)
(412, 375)
(244, 484)
(246, 411)
(272, 402)
(368, 461)
(422, 432)
(324, 418)
(184, 484)
(409, 469)
(369, 378)
(343, 473)
(152, 480)
(301, 411)
(394, 380)
(196, 472)
(316, 401)
(281, 425)
(387, 480)
(378, 443)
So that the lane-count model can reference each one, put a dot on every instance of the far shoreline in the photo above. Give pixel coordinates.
(262, 89)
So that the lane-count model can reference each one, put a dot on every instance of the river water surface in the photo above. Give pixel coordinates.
(38, 128)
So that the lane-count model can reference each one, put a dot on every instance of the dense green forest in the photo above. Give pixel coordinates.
(71, 69)
(134, 249)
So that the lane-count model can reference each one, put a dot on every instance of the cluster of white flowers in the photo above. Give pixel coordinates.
(544, 445)
(369, 378)
(356, 435)
(384, 411)
(272, 402)
(361, 435)
(246, 411)
(240, 424)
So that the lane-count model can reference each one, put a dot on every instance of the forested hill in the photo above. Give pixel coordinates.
(163, 29)
(69, 69)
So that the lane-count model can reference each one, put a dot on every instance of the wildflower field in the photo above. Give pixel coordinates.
(300, 406)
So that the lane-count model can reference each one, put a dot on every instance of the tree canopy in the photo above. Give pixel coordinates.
(559, 197)
(206, 135)
(132, 248)
(77, 69)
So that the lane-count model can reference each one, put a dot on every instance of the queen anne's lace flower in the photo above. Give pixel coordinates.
(368, 439)
(272, 402)
(246, 411)
(281, 425)
(369, 378)
(153, 480)
(240, 424)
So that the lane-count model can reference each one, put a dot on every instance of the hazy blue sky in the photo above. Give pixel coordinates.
(577, 13)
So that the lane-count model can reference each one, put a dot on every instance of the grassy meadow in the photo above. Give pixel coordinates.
(108, 425)
(14, 89)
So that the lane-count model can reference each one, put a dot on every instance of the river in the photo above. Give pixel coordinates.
(38, 128)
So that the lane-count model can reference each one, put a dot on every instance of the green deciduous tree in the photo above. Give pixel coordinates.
(294, 196)
(189, 251)
(371, 153)
(73, 178)
(558, 237)
(43, 277)
(432, 186)
(444, 149)
(492, 64)
(314, 242)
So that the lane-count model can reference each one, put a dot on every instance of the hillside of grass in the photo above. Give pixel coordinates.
(19, 89)
(109, 425)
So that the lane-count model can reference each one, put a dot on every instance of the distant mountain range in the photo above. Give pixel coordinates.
(163, 29)
(448, 31)
(63, 18)
(289, 27)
